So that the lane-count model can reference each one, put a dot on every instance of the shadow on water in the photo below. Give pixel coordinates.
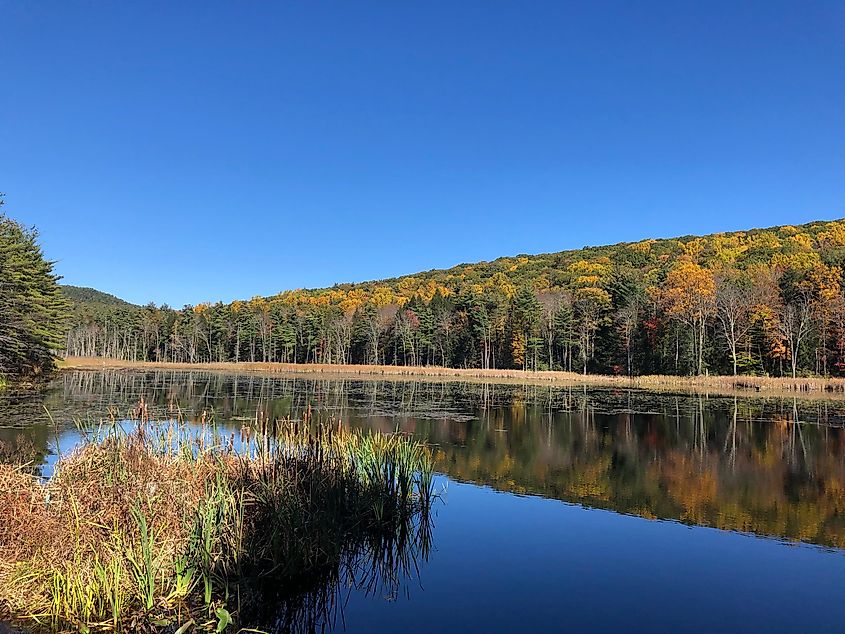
(383, 566)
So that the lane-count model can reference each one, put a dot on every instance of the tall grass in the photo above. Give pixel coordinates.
(819, 387)
(164, 525)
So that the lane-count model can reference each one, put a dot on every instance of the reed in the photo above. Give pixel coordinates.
(818, 387)
(164, 525)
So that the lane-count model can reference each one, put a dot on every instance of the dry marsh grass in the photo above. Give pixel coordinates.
(774, 386)
(164, 527)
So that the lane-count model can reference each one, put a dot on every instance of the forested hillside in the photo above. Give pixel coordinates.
(765, 301)
(85, 295)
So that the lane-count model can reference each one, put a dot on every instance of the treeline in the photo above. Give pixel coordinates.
(33, 311)
(758, 302)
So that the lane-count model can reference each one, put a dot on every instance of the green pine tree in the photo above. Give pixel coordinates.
(33, 312)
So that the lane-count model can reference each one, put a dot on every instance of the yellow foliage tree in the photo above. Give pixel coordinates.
(689, 296)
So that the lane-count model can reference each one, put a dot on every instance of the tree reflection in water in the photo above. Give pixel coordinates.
(769, 466)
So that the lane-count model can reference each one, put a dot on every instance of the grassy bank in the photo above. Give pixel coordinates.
(711, 384)
(165, 527)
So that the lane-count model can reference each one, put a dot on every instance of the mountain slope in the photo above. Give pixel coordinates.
(783, 245)
(86, 295)
(759, 301)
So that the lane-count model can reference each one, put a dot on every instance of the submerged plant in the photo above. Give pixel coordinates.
(165, 525)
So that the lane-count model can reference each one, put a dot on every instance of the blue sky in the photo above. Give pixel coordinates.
(184, 152)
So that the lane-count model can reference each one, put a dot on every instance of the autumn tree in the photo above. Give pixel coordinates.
(735, 306)
(824, 283)
(795, 316)
(552, 304)
(590, 305)
(627, 295)
(689, 296)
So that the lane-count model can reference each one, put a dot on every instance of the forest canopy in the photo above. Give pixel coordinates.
(765, 301)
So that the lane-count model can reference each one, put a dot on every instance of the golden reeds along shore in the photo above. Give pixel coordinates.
(162, 526)
(817, 386)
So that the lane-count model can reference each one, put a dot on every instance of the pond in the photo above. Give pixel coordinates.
(559, 508)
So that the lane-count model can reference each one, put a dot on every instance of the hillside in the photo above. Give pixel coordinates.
(760, 301)
(86, 295)
(557, 270)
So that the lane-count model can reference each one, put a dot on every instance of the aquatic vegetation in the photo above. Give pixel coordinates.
(165, 525)
(816, 387)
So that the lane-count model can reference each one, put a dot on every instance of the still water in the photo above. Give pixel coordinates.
(560, 508)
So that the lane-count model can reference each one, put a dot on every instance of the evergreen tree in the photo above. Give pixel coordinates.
(33, 311)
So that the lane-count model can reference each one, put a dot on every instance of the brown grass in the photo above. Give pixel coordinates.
(53, 534)
(165, 525)
(745, 385)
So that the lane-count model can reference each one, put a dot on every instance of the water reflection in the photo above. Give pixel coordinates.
(380, 567)
(769, 466)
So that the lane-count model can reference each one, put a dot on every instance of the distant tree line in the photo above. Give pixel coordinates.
(33, 311)
(758, 302)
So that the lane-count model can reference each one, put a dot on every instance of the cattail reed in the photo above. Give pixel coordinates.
(165, 523)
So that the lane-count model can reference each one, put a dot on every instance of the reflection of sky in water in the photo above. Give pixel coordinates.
(740, 464)
(504, 562)
(523, 564)
(70, 439)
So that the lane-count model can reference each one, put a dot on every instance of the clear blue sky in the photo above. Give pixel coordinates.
(182, 152)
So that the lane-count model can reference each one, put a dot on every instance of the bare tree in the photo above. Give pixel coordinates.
(794, 324)
(627, 319)
(589, 305)
(734, 312)
(443, 333)
(550, 303)
(340, 334)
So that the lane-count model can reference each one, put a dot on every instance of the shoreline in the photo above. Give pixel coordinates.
(725, 385)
